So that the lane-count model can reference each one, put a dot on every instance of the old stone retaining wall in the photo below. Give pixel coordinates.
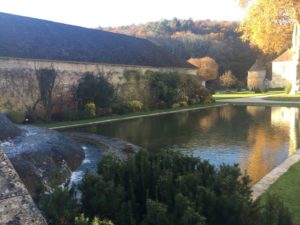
(19, 86)
(16, 205)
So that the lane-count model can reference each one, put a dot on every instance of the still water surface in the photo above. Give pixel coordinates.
(256, 138)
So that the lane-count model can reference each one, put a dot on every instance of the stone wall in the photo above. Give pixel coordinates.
(16, 205)
(19, 86)
(257, 79)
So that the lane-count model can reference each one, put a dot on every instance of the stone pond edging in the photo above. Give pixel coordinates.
(16, 205)
(261, 186)
(137, 117)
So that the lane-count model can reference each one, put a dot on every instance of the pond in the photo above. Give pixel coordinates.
(256, 138)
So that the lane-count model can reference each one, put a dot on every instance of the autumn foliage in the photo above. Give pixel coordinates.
(269, 23)
(207, 67)
(228, 80)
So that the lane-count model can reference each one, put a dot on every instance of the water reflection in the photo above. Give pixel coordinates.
(257, 138)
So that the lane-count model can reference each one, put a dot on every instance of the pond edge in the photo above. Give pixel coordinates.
(264, 184)
(136, 117)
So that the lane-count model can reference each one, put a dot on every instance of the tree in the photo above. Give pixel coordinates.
(269, 23)
(94, 89)
(207, 67)
(228, 80)
(59, 207)
(167, 187)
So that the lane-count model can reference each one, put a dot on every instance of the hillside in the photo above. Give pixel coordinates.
(25, 37)
(193, 39)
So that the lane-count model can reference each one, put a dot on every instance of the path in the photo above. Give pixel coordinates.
(257, 100)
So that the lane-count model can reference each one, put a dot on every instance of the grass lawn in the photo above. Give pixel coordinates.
(244, 94)
(123, 117)
(285, 98)
(287, 188)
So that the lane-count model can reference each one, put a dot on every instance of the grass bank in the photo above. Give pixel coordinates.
(284, 98)
(244, 94)
(103, 119)
(287, 188)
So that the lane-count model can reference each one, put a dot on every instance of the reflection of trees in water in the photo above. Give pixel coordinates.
(267, 139)
(207, 122)
(259, 133)
(227, 113)
(256, 111)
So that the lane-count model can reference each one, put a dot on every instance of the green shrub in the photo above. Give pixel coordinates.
(59, 207)
(183, 99)
(16, 117)
(288, 88)
(165, 187)
(161, 105)
(209, 99)
(135, 105)
(95, 89)
(120, 108)
(82, 220)
(72, 115)
(90, 109)
(176, 105)
(183, 104)
(257, 90)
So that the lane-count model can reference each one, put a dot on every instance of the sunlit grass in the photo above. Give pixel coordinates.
(287, 188)
(244, 94)
(284, 97)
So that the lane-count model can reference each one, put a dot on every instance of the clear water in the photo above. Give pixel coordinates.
(256, 138)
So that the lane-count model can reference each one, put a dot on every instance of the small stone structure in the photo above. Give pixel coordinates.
(16, 205)
(257, 77)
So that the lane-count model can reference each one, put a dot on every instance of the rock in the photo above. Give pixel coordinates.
(8, 130)
(109, 145)
(43, 158)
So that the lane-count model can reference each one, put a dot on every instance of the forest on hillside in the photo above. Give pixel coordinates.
(186, 39)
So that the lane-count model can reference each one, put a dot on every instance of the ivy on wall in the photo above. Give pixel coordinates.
(46, 80)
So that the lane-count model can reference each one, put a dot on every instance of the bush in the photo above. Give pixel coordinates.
(16, 117)
(209, 99)
(175, 105)
(161, 105)
(135, 106)
(95, 89)
(72, 115)
(59, 207)
(90, 109)
(166, 187)
(228, 80)
(120, 108)
(183, 99)
(288, 88)
(257, 90)
(82, 220)
(183, 104)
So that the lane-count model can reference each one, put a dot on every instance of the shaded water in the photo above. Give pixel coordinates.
(92, 156)
(257, 138)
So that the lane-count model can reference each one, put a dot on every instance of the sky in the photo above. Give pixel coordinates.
(105, 13)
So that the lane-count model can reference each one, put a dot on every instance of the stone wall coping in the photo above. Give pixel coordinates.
(264, 184)
(95, 63)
